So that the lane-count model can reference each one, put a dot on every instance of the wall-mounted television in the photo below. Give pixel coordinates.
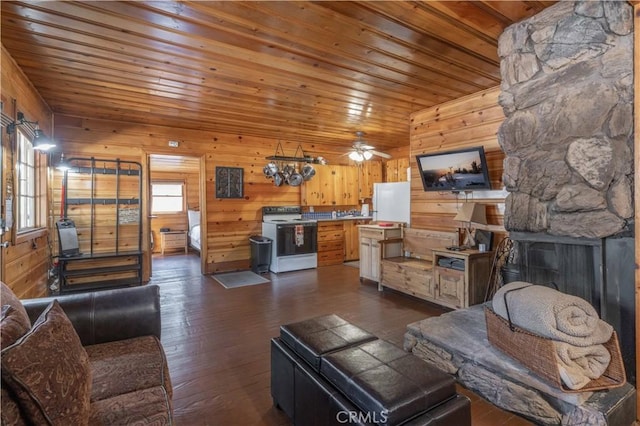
(459, 170)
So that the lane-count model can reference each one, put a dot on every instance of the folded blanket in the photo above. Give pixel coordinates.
(578, 365)
(552, 314)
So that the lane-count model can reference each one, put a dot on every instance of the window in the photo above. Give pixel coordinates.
(27, 185)
(166, 197)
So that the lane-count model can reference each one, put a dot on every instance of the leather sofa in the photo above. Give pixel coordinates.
(89, 358)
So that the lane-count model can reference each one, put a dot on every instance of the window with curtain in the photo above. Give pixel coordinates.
(167, 197)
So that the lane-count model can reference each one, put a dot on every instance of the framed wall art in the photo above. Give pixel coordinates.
(229, 182)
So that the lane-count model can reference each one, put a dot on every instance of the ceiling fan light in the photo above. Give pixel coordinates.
(367, 155)
(356, 156)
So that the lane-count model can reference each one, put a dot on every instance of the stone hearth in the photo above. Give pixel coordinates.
(456, 342)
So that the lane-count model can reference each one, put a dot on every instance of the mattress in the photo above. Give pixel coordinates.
(194, 237)
(194, 228)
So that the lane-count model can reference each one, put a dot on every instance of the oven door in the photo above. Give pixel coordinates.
(294, 239)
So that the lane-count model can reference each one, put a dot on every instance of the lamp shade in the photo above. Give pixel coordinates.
(472, 212)
(356, 156)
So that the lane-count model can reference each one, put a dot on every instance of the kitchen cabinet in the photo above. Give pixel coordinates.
(371, 251)
(461, 278)
(370, 173)
(333, 185)
(396, 170)
(312, 191)
(346, 185)
(330, 243)
(352, 238)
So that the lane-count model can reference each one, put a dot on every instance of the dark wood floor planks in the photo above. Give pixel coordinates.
(217, 340)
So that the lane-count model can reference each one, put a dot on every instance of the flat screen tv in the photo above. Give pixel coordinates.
(459, 170)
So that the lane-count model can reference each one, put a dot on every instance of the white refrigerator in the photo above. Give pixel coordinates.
(391, 202)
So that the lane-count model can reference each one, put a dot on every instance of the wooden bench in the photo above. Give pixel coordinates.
(413, 272)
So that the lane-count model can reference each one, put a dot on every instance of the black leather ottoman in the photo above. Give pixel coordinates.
(309, 340)
(315, 337)
(325, 371)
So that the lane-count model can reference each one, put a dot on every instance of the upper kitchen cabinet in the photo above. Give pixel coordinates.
(346, 185)
(396, 170)
(370, 173)
(331, 186)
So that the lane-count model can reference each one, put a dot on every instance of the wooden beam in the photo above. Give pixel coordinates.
(636, 150)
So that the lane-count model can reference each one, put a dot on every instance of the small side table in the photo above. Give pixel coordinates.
(173, 240)
(463, 287)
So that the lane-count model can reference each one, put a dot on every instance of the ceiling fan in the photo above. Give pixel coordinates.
(361, 151)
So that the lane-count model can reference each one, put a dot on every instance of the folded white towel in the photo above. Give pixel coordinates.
(552, 314)
(579, 365)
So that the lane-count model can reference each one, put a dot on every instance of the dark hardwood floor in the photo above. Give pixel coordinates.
(217, 340)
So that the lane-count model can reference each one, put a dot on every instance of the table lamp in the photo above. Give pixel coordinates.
(471, 213)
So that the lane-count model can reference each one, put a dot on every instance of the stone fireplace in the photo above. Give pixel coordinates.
(567, 94)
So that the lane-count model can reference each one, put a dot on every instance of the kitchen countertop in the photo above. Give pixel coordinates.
(394, 225)
(329, 219)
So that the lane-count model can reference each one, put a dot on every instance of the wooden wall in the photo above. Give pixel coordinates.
(23, 265)
(229, 222)
(466, 122)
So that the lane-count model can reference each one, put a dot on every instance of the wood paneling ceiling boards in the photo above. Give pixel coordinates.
(307, 72)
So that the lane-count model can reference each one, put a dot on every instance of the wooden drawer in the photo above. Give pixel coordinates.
(331, 235)
(330, 246)
(330, 226)
(380, 234)
(404, 277)
(169, 238)
(333, 257)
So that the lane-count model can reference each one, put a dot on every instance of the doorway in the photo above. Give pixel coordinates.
(175, 204)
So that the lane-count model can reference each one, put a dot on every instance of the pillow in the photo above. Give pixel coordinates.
(7, 297)
(48, 371)
(9, 410)
(12, 326)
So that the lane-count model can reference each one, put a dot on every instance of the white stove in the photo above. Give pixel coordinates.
(295, 240)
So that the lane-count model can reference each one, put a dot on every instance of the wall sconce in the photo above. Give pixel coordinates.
(471, 213)
(63, 165)
(40, 140)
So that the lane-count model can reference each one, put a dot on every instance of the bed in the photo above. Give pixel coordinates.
(194, 228)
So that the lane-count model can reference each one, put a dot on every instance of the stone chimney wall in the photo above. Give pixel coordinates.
(567, 94)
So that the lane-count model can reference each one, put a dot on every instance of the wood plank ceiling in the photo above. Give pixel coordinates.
(306, 72)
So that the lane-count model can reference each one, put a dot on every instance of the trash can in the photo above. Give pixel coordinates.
(260, 253)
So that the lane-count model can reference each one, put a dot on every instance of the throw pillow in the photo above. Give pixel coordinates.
(48, 371)
(9, 412)
(7, 297)
(12, 326)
